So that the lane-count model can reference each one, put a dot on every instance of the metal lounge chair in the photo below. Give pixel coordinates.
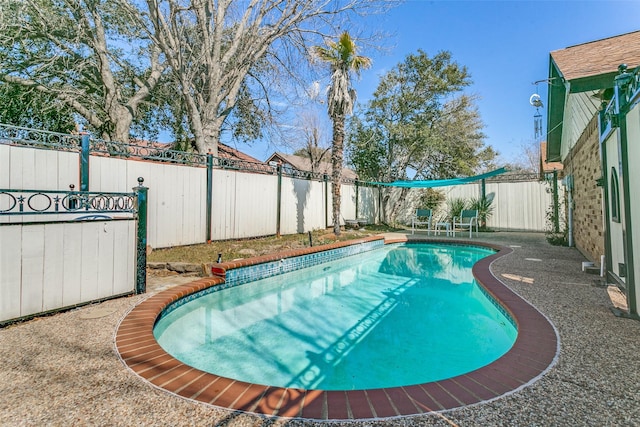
(467, 219)
(421, 217)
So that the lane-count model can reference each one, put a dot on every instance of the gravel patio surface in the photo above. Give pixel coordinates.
(63, 370)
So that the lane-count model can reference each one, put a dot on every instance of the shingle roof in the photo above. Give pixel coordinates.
(228, 152)
(598, 57)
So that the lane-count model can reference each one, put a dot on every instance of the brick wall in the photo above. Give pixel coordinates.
(583, 162)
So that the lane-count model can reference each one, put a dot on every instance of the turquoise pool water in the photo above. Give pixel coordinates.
(399, 315)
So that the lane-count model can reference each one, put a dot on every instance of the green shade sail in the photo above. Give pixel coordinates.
(442, 182)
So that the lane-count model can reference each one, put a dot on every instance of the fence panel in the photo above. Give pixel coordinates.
(347, 202)
(244, 205)
(177, 196)
(255, 209)
(64, 264)
(303, 204)
(368, 206)
(25, 167)
(223, 198)
(519, 206)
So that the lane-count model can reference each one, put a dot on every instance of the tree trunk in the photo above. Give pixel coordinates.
(211, 137)
(336, 172)
(399, 201)
(121, 117)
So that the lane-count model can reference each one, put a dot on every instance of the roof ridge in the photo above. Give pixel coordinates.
(597, 41)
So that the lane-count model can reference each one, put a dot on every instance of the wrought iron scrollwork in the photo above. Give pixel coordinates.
(38, 138)
(146, 152)
(33, 202)
(151, 151)
(515, 177)
(292, 172)
(627, 83)
(608, 118)
(627, 90)
(242, 165)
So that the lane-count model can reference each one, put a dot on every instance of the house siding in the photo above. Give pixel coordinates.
(583, 162)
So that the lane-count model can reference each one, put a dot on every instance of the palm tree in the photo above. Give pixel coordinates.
(343, 58)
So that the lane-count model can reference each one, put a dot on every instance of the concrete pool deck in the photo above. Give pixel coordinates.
(63, 369)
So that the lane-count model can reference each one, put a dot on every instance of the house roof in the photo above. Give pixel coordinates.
(547, 166)
(598, 57)
(582, 68)
(304, 164)
(228, 152)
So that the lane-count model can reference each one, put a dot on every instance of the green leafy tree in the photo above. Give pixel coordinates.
(20, 106)
(343, 59)
(88, 55)
(430, 198)
(419, 124)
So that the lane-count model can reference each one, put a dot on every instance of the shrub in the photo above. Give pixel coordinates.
(559, 237)
(455, 206)
(484, 206)
(430, 199)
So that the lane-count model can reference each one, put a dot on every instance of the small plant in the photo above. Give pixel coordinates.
(556, 233)
(484, 206)
(455, 206)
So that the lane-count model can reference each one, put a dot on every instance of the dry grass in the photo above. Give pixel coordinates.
(247, 248)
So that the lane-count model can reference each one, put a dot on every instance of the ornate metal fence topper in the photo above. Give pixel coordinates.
(626, 93)
(38, 202)
(38, 138)
(144, 151)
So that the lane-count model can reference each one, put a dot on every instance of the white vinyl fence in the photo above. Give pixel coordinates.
(48, 266)
(177, 196)
(517, 205)
(245, 203)
(60, 249)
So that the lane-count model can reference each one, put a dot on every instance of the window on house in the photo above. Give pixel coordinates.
(614, 196)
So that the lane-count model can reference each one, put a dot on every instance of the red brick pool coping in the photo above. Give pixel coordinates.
(533, 353)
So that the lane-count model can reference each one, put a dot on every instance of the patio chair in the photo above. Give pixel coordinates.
(421, 217)
(467, 219)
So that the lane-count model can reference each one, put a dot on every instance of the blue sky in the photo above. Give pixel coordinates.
(504, 44)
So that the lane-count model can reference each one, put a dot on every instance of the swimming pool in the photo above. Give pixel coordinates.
(533, 354)
(395, 316)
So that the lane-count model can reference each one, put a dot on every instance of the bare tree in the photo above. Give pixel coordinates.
(213, 46)
(310, 141)
(90, 55)
(531, 156)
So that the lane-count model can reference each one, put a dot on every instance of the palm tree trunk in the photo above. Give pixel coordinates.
(336, 173)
